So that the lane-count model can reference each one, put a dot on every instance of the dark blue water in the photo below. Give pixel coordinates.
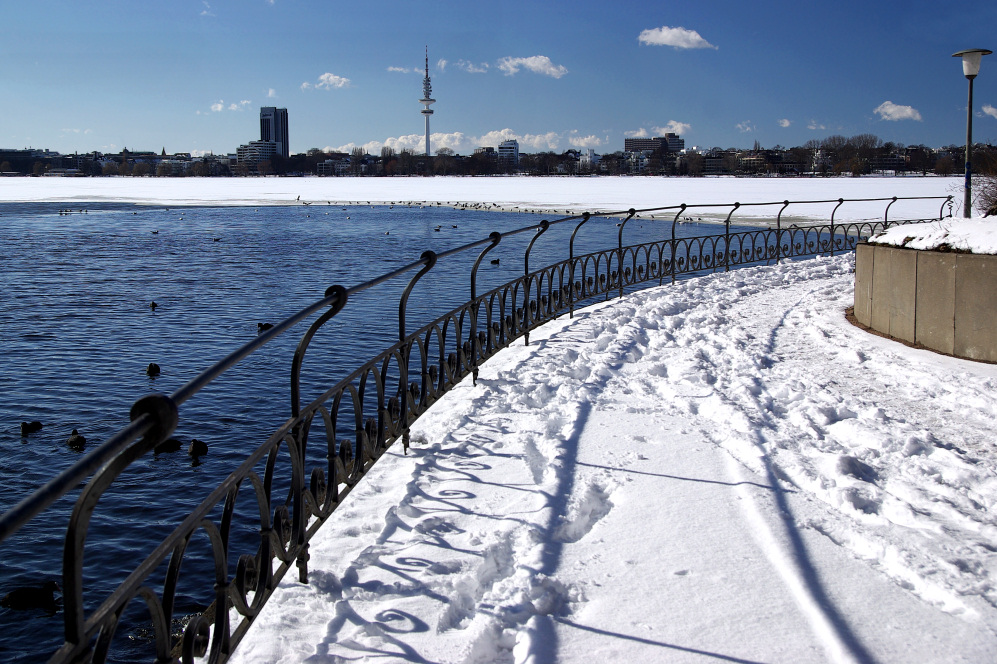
(78, 334)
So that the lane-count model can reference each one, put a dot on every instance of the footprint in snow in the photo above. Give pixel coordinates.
(592, 507)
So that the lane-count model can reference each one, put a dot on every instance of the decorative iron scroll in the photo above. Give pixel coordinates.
(358, 418)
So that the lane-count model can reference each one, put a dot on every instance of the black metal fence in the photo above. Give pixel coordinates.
(280, 496)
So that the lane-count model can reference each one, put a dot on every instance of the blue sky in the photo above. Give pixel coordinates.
(191, 75)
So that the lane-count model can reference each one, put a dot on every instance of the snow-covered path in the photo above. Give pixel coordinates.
(719, 470)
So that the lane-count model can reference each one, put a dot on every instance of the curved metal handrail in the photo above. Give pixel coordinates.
(385, 396)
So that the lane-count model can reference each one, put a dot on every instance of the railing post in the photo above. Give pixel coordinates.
(430, 258)
(619, 249)
(541, 229)
(673, 261)
(840, 201)
(495, 237)
(727, 237)
(299, 352)
(778, 232)
(886, 215)
(941, 210)
(571, 264)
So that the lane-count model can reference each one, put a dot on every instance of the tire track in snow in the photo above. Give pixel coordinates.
(851, 435)
(717, 355)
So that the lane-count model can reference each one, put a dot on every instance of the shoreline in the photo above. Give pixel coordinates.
(550, 214)
(659, 198)
(759, 221)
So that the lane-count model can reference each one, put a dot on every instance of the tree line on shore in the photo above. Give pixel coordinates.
(834, 155)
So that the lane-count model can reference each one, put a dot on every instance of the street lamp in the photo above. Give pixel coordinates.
(970, 67)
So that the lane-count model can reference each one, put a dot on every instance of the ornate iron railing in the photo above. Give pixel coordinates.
(374, 406)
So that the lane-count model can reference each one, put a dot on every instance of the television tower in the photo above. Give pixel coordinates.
(427, 93)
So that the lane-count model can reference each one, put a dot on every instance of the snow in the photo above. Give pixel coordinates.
(720, 469)
(975, 236)
(545, 195)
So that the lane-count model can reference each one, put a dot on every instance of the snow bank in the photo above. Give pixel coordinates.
(719, 469)
(974, 236)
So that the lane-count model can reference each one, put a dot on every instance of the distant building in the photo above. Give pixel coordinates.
(273, 129)
(508, 151)
(642, 144)
(254, 153)
(667, 143)
(339, 166)
(637, 160)
(675, 143)
(588, 160)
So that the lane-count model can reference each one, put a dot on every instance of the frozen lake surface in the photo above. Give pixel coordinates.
(556, 195)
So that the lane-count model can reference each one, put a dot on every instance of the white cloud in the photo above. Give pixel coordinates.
(220, 106)
(890, 111)
(814, 125)
(670, 127)
(536, 142)
(441, 64)
(207, 9)
(990, 110)
(271, 94)
(464, 144)
(590, 141)
(403, 70)
(673, 127)
(745, 127)
(784, 123)
(677, 37)
(538, 64)
(472, 68)
(494, 137)
(539, 142)
(327, 81)
(413, 142)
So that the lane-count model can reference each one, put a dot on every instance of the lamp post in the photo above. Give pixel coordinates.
(970, 67)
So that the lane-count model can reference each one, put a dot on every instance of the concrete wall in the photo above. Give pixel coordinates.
(944, 301)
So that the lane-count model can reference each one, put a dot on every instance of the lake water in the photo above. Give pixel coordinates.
(78, 334)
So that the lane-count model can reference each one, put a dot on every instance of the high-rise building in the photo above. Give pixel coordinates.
(273, 128)
(509, 151)
(675, 143)
(427, 94)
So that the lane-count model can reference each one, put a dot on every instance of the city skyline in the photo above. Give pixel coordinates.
(191, 76)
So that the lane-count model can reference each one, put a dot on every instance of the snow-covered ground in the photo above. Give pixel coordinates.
(719, 470)
(975, 236)
(547, 195)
